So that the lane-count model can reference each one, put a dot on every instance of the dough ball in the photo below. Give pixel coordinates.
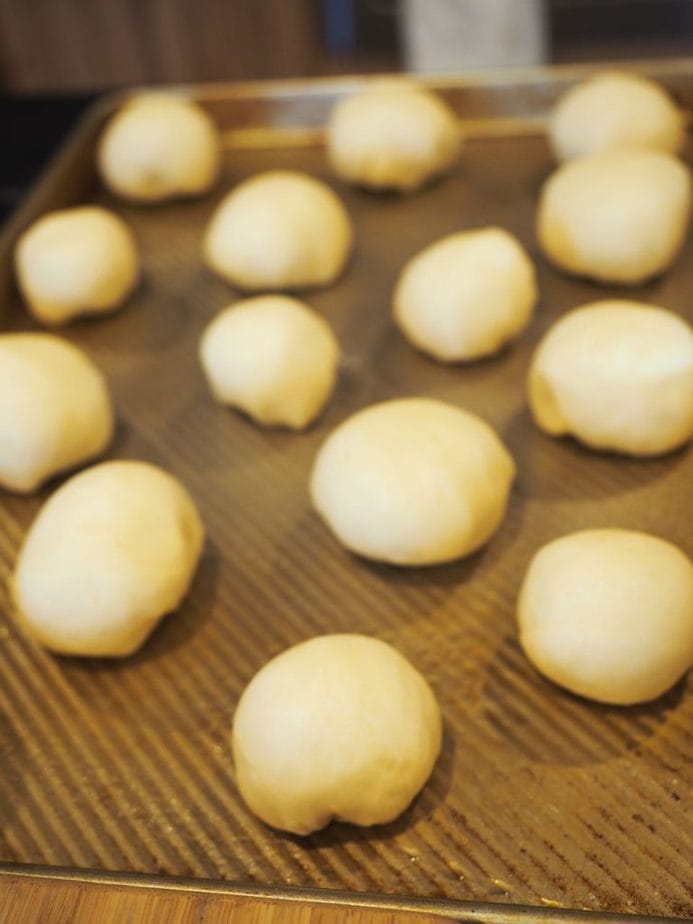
(55, 409)
(111, 552)
(617, 376)
(338, 727)
(393, 135)
(279, 230)
(466, 295)
(412, 481)
(75, 262)
(615, 110)
(620, 216)
(272, 357)
(608, 614)
(159, 147)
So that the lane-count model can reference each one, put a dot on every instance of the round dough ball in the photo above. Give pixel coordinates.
(75, 262)
(55, 409)
(412, 481)
(608, 614)
(110, 553)
(615, 110)
(620, 216)
(393, 135)
(279, 230)
(159, 147)
(617, 376)
(272, 357)
(338, 727)
(467, 295)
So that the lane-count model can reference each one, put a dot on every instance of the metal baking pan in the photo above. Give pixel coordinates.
(540, 799)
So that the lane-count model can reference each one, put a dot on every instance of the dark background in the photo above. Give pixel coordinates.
(70, 46)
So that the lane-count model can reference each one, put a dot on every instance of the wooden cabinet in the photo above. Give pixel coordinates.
(77, 45)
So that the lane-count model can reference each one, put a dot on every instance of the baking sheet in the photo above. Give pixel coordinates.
(539, 798)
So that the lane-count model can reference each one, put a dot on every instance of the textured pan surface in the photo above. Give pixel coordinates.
(539, 797)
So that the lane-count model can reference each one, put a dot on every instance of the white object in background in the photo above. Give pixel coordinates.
(453, 35)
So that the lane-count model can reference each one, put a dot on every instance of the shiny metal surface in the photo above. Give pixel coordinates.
(539, 798)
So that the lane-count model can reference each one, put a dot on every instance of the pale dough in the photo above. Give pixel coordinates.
(393, 135)
(110, 553)
(620, 216)
(412, 481)
(615, 110)
(279, 230)
(74, 262)
(608, 614)
(272, 357)
(55, 409)
(617, 375)
(338, 727)
(467, 295)
(159, 147)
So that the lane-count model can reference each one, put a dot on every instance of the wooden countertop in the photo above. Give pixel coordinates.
(47, 895)
(64, 899)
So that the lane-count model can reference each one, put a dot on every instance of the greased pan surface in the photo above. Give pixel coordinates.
(539, 798)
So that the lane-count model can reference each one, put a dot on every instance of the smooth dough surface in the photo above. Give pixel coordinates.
(615, 109)
(55, 409)
(393, 135)
(279, 230)
(608, 614)
(338, 727)
(74, 262)
(110, 553)
(616, 375)
(273, 357)
(159, 147)
(467, 295)
(412, 481)
(620, 216)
